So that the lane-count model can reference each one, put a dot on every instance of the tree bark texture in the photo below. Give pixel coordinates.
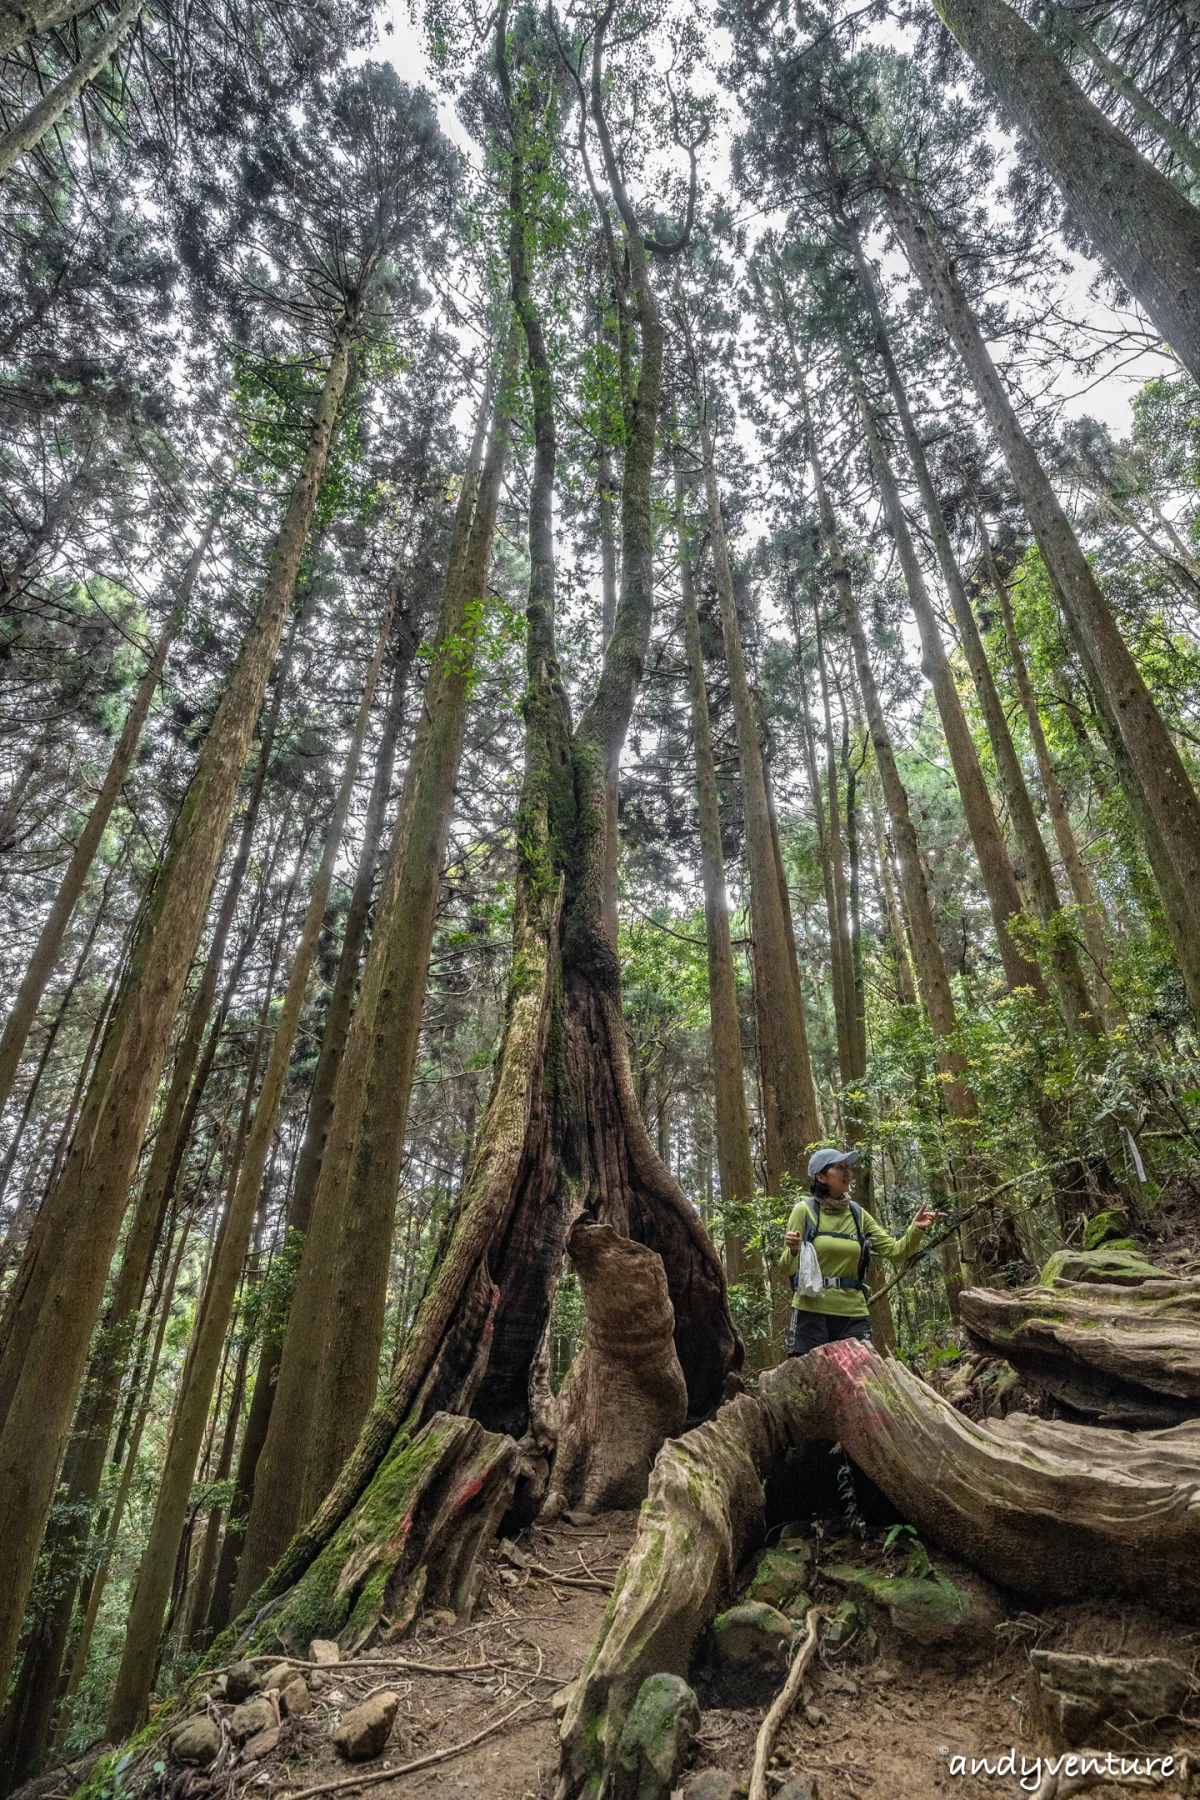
(1034, 1506)
(85, 1210)
(1115, 1355)
(359, 1166)
(1164, 792)
(625, 1393)
(1137, 219)
(149, 1597)
(734, 1161)
(1175, 140)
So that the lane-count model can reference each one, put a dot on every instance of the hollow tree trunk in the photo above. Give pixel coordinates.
(1162, 792)
(84, 1212)
(734, 1161)
(294, 1471)
(1034, 1506)
(563, 1131)
(41, 963)
(136, 1672)
(1137, 219)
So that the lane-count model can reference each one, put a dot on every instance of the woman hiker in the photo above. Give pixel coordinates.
(844, 1238)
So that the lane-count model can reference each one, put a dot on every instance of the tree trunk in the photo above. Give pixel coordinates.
(734, 1160)
(782, 1011)
(41, 963)
(625, 1393)
(1164, 793)
(292, 1466)
(1090, 912)
(149, 1597)
(320, 1113)
(825, 850)
(1137, 219)
(1174, 139)
(21, 20)
(28, 132)
(84, 1212)
(194, 1630)
(999, 882)
(152, 1587)
(1078, 1006)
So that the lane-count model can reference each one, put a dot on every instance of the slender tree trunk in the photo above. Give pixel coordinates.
(999, 881)
(850, 1069)
(1138, 220)
(1175, 140)
(836, 967)
(284, 1489)
(194, 1631)
(1164, 794)
(152, 1588)
(927, 951)
(734, 1162)
(781, 1010)
(84, 1212)
(28, 132)
(41, 963)
(320, 1113)
(906, 989)
(1078, 1006)
(1090, 911)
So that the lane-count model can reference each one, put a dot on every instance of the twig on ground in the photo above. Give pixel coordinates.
(591, 1582)
(782, 1706)
(409, 1768)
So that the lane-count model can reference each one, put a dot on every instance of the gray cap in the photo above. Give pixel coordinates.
(820, 1160)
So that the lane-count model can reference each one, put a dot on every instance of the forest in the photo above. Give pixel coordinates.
(596, 595)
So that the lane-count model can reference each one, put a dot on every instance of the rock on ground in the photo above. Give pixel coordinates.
(749, 1648)
(241, 1681)
(715, 1784)
(1073, 1693)
(656, 1738)
(364, 1730)
(196, 1742)
(252, 1716)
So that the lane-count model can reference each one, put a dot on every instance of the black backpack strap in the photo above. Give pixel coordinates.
(812, 1219)
(864, 1242)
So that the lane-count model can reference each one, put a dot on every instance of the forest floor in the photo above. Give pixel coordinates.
(881, 1719)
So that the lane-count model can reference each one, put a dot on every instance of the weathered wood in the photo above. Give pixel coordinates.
(1121, 1355)
(625, 1394)
(412, 1539)
(704, 1511)
(1036, 1506)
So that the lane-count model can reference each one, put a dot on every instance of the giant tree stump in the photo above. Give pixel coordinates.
(1126, 1355)
(1035, 1506)
(434, 1503)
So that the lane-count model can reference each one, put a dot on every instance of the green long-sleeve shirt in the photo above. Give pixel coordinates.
(836, 1244)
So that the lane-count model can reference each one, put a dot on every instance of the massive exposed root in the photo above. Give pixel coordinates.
(625, 1394)
(1037, 1507)
(1127, 1355)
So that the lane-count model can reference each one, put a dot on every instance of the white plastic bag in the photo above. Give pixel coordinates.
(809, 1279)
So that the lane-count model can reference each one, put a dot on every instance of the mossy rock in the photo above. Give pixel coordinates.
(1114, 1263)
(655, 1739)
(749, 1647)
(1108, 1227)
(781, 1575)
(849, 1619)
(931, 1610)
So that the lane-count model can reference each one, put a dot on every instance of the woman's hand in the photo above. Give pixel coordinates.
(793, 1239)
(926, 1216)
